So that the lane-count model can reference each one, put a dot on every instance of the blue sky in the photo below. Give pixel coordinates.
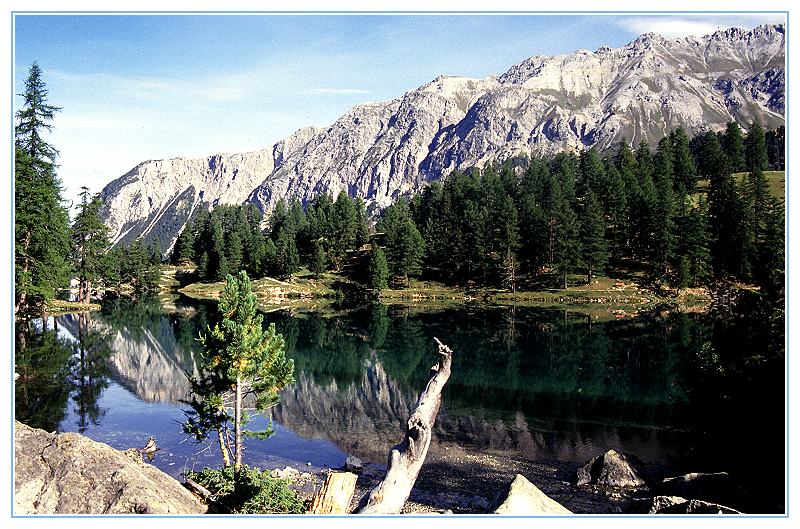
(143, 87)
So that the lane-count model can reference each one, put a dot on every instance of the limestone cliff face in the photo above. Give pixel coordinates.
(543, 105)
(157, 197)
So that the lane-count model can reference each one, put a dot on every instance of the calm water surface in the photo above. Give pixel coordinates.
(532, 383)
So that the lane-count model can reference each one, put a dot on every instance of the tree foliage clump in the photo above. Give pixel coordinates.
(254, 492)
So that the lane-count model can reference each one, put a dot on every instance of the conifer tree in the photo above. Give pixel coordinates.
(776, 148)
(411, 250)
(699, 244)
(378, 269)
(184, 245)
(592, 236)
(344, 228)
(89, 244)
(287, 260)
(155, 251)
(362, 223)
(566, 248)
(683, 163)
(772, 250)
(319, 260)
(269, 266)
(241, 359)
(41, 222)
(616, 226)
(234, 252)
(662, 226)
(725, 209)
(733, 145)
(756, 149)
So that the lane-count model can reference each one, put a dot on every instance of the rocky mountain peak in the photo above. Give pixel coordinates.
(545, 104)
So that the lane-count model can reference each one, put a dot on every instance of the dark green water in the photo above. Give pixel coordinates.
(683, 393)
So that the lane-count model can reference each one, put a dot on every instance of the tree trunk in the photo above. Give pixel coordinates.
(335, 494)
(237, 424)
(406, 458)
(223, 448)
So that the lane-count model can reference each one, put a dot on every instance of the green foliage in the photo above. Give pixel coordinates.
(776, 148)
(238, 354)
(592, 234)
(319, 260)
(41, 393)
(756, 155)
(133, 266)
(184, 246)
(733, 145)
(41, 222)
(378, 269)
(89, 244)
(254, 492)
(403, 241)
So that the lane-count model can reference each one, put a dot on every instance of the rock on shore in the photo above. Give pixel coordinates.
(71, 474)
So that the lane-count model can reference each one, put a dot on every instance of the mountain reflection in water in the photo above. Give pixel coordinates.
(540, 384)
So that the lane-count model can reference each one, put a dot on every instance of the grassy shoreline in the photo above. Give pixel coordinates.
(604, 297)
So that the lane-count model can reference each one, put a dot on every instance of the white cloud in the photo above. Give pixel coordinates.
(682, 26)
(338, 91)
(231, 88)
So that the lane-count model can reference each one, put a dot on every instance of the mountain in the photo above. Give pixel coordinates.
(543, 105)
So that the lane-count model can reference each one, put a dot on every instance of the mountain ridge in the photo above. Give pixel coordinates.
(540, 106)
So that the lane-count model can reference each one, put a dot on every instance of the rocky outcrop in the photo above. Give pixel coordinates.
(157, 197)
(523, 498)
(611, 469)
(71, 474)
(543, 105)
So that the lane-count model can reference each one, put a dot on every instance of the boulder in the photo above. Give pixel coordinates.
(697, 507)
(353, 464)
(717, 487)
(611, 469)
(523, 498)
(71, 474)
(285, 473)
(653, 505)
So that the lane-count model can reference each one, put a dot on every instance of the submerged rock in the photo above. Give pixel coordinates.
(677, 505)
(717, 487)
(611, 469)
(71, 474)
(524, 498)
(353, 464)
(697, 507)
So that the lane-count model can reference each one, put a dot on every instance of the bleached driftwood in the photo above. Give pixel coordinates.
(406, 458)
(335, 494)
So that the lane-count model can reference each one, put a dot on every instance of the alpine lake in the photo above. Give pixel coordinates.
(681, 392)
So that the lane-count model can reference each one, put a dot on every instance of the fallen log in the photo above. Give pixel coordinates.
(335, 494)
(407, 457)
(204, 493)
